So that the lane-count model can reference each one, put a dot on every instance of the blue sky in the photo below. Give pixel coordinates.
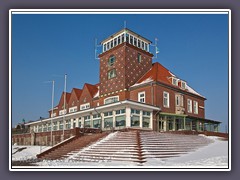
(45, 47)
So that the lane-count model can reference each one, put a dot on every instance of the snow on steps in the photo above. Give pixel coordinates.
(136, 146)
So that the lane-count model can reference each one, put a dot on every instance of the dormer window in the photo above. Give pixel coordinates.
(111, 60)
(174, 81)
(183, 84)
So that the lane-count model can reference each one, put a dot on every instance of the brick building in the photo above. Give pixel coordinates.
(132, 92)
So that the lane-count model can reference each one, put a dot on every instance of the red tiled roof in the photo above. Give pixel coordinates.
(93, 89)
(161, 74)
(78, 92)
(157, 73)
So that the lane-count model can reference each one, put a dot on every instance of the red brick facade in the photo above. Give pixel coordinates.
(131, 76)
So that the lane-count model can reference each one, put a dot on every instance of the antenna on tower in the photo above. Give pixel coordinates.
(156, 48)
(125, 24)
(96, 46)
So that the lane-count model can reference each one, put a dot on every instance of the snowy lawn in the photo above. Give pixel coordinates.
(21, 153)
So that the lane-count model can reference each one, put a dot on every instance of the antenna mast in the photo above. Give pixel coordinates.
(96, 46)
(156, 48)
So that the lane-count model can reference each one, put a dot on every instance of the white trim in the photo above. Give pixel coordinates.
(84, 106)
(168, 99)
(79, 113)
(195, 107)
(189, 109)
(111, 97)
(139, 98)
(72, 109)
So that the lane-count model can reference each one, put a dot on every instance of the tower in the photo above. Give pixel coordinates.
(124, 59)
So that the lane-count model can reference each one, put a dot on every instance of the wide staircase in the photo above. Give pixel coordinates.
(117, 146)
(166, 145)
(73, 144)
(138, 146)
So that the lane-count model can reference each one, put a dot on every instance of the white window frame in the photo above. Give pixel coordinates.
(141, 99)
(168, 99)
(176, 81)
(189, 105)
(195, 107)
(109, 98)
(85, 106)
(185, 84)
(61, 112)
(73, 109)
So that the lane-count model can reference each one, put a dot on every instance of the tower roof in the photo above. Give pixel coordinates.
(128, 31)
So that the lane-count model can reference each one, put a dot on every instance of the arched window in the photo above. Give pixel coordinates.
(111, 60)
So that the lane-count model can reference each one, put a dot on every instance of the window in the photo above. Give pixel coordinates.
(73, 109)
(174, 81)
(49, 126)
(120, 121)
(108, 113)
(135, 120)
(55, 126)
(195, 107)
(183, 84)
(104, 47)
(39, 128)
(179, 100)
(115, 41)
(127, 38)
(121, 111)
(111, 100)
(135, 42)
(96, 116)
(189, 105)
(74, 123)
(85, 106)
(62, 112)
(146, 113)
(142, 45)
(60, 125)
(111, 60)
(68, 124)
(111, 73)
(141, 97)
(131, 40)
(96, 120)
(79, 123)
(108, 122)
(44, 127)
(166, 99)
(139, 58)
(87, 121)
(146, 47)
(119, 40)
(135, 111)
(146, 122)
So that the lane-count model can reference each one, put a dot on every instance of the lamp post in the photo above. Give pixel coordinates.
(52, 113)
(64, 104)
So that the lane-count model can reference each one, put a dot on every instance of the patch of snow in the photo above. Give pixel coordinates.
(172, 74)
(191, 90)
(143, 82)
(27, 152)
(97, 94)
(215, 154)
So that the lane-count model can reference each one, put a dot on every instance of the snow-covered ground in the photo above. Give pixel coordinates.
(21, 153)
(215, 155)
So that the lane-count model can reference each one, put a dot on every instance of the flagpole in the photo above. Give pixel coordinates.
(52, 113)
(64, 112)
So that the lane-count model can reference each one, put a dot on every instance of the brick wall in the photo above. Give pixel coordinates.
(43, 138)
(128, 69)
